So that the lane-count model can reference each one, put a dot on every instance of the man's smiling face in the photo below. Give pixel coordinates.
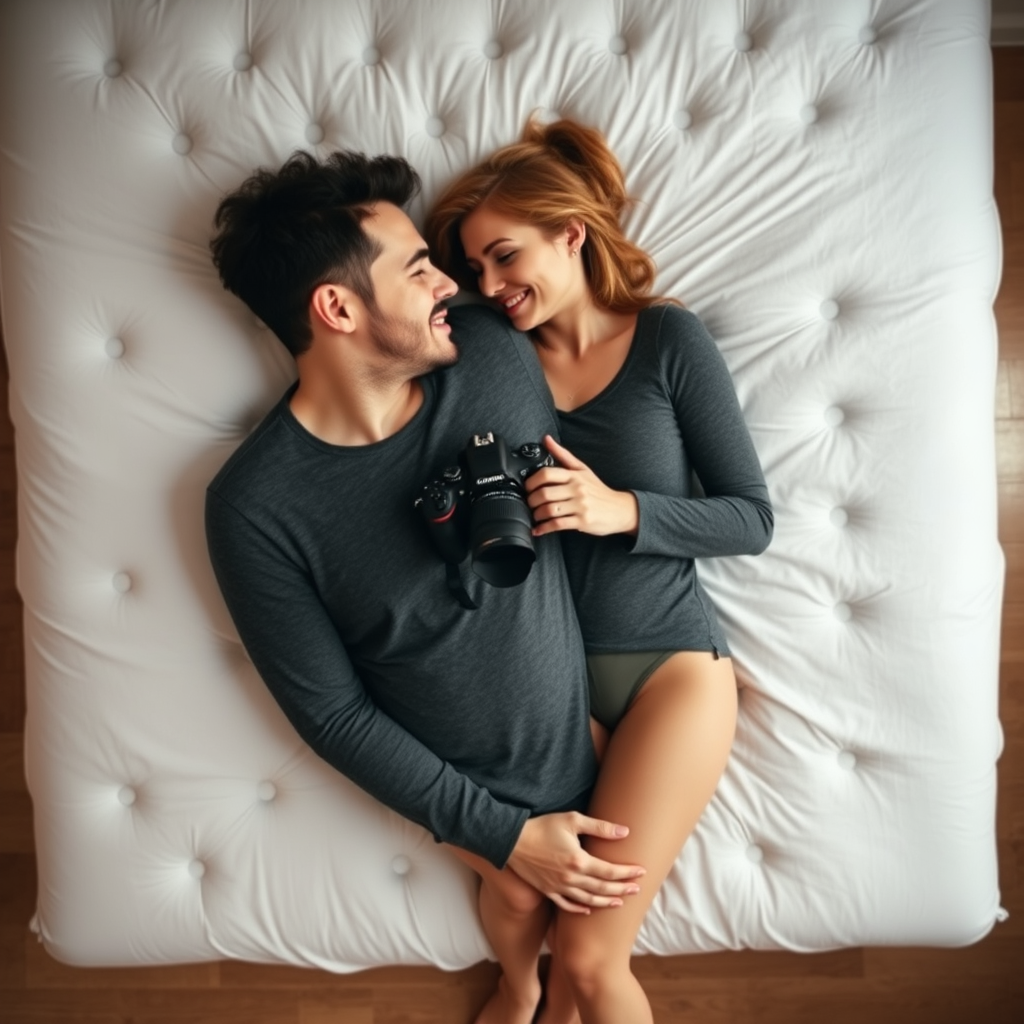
(408, 321)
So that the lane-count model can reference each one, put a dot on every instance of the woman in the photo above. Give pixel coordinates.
(643, 398)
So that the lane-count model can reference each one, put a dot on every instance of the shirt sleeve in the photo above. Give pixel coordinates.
(295, 647)
(487, 335)
(734, 516)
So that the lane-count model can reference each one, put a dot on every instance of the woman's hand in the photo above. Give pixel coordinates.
(571, 497)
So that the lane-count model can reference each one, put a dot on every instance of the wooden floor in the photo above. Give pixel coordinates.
(983, 983)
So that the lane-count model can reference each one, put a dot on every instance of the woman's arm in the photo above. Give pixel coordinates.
(734, 517)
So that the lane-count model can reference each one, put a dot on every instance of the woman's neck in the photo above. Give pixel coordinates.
(581, 326)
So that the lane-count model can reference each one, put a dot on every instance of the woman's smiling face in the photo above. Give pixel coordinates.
(532, 276)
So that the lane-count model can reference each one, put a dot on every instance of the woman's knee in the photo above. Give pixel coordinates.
(513, 895)
(588, 960)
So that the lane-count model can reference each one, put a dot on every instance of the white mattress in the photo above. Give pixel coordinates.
(816, 183)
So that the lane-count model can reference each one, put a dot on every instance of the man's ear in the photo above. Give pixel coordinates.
(336, 307)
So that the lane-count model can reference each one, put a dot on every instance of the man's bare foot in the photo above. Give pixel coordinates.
(506, 1007)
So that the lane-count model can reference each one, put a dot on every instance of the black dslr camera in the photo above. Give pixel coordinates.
(479, 508)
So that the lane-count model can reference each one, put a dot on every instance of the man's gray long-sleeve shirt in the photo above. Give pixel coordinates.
(466, 722)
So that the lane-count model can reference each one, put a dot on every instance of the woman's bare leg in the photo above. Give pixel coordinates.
(661, 768)
(515, 918)
(600, 735)
(559, 1002)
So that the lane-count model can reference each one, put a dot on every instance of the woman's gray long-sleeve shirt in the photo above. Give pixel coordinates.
(671, 411)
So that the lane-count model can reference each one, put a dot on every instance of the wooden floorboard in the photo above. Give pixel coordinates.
(981, 983)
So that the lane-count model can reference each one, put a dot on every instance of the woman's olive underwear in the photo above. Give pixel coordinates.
(616, 679)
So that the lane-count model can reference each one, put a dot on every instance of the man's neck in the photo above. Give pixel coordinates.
(352, 412)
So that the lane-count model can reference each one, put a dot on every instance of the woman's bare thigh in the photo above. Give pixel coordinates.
(661, 768)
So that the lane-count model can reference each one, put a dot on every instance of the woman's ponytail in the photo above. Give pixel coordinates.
(554, 174)
(586, 153)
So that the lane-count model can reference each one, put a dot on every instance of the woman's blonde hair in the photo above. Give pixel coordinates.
(554, 173)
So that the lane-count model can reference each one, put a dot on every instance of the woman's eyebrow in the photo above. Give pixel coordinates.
(488, 248)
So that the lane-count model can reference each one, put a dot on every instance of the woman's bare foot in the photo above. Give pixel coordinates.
(559, 1007)
(559, 1015)
(508, 1007)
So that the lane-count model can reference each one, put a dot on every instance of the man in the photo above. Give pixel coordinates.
(473, 723)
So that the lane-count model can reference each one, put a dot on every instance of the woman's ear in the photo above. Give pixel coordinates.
(334, 306)
(575, 235)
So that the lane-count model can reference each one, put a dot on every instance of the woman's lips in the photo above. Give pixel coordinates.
(513, 302)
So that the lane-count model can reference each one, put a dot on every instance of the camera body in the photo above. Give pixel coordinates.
(478, 507)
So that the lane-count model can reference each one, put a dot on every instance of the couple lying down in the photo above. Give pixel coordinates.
(561, 732)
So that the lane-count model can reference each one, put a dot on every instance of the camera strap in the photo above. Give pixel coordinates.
(457, 588)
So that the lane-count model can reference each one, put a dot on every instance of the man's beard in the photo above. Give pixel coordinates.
(406, 346)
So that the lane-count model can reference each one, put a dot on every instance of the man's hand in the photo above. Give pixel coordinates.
(549, 856)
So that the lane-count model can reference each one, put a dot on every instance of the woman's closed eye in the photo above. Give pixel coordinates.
(501, 260)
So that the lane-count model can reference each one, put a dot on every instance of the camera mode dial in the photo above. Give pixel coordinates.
(440, 499)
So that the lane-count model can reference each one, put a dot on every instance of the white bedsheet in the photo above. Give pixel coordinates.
(816, 183)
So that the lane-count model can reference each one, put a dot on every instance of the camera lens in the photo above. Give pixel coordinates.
(500, 538)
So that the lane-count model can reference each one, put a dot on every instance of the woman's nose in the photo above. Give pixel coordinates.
(490, 282)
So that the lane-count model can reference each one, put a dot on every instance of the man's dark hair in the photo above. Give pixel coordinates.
(282, 234)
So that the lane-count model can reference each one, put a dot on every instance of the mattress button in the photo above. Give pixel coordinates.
(197, 869)
(242, 61)
(743, 42)
(493, 49)
(121, 582)
(371, 56)
(838, 517)
(114, 348)
(843, 612)
(266, 791)
(401, 865)
(618, 45)
(808, 113)
(833, 416)
(435, 127)
(754, 853)
(113, 68)
(847, 760)
(182, 144)
(126, 795)
(683, 120)
(867, 35)
(314, 134)
(829, 309)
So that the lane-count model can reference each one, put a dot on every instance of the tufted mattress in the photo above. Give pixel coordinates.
(815, 181)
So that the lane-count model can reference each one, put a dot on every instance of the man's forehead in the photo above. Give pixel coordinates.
(394, 229)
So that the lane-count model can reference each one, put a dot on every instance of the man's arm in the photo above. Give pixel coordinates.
(297, 651)
(296, 648)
